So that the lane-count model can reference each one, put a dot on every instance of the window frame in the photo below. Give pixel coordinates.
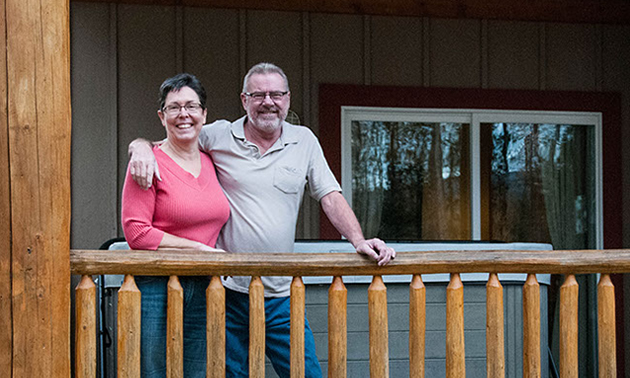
(475, 118)
(333, 97)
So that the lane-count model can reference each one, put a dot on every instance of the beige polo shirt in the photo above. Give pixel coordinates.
(265, 191)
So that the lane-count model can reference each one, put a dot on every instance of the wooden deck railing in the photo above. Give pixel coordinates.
(182, 263)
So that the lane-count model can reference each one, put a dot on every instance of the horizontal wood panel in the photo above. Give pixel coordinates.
(586, 11)
(190, 262)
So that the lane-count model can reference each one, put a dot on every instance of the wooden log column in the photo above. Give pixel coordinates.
(337, 329)
(175, 329)
(256, 328)
(35, 189)
(6, 335)
(455, 353)
(215, 328)
(298, 303)
(495, 341)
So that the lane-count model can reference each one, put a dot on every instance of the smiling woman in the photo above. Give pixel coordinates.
(185, 209)
(182, 117)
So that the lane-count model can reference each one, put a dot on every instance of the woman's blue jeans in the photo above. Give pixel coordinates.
(153, 329)
(277, 337)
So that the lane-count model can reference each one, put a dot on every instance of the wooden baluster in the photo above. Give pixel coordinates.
(215, 328)
(606, 327)
(455, 353)
(175, 329)
(297, 327)
(256, 328)
(569, 327)
(85, 337)
(531, 327)
(379, 348)
(337, 329)
(129, 329)
(417, 326)
(495, 352)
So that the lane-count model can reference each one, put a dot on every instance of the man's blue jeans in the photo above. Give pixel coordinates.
(153, 330)
(277, 333)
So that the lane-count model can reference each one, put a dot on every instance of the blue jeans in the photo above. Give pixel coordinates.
(153, 328)
(277, 333)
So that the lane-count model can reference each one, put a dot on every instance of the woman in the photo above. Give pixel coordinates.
(185, 210)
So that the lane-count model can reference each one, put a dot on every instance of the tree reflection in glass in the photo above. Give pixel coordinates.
(546, 172)
(410, 181)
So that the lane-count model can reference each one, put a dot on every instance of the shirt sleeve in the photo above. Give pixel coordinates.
(138, 206)
(208, 134)
(321, 180)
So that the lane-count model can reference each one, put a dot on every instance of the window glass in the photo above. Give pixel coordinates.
(410, 180)
(541, 183)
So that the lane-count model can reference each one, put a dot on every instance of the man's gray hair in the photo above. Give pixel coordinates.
(264, 68)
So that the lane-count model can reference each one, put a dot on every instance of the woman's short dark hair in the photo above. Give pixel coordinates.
(179, 81)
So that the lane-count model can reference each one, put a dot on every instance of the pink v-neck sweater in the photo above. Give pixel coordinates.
(180, 204)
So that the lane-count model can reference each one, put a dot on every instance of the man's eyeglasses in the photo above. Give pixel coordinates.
(260, 96)
(174, 109)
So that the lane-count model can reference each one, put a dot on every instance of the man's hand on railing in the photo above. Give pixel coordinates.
(377, 250)
(142, 164)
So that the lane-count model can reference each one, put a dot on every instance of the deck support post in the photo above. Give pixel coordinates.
(35, 120)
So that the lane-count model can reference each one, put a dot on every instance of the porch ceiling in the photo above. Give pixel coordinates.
(572, 11)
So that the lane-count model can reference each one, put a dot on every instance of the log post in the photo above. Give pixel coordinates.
(417, 326)
(298, 302)
(569, 327)
(85, 338)
(379, 343)
(495, 344)
(215, 328)
(175, 329)
(256, 328)
(6, 334)
(531, 327)
(455, 353)
(129, 314)
(606, 327)
(35, 188)
(337, 329)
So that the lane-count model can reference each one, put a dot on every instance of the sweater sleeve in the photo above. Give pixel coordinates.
(138, 206)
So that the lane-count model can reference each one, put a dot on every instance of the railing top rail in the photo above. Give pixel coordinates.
(189, 262)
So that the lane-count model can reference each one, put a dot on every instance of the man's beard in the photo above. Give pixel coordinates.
(267, 125)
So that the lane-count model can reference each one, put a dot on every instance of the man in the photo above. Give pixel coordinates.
(264, 165)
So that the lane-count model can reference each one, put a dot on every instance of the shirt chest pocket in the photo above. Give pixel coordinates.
(288, 179)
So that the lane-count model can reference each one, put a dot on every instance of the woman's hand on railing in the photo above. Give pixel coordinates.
(170, 241)
(377, 250)
(206, 248)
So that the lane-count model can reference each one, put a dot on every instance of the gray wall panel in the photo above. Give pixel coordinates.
(572, 56)
(336, 45)
(455, 59)
(396, 51)
(211, 52)
(146, 56)
(513, 55)
(276, 37)
(94, 159)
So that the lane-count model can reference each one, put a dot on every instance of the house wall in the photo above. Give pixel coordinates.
(121, 53)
